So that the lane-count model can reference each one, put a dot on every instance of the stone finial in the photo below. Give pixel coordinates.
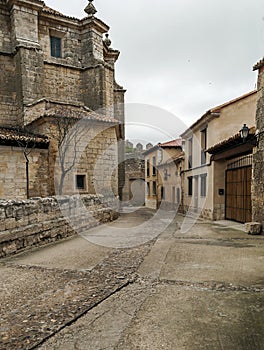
(107, 41)
(90, 9)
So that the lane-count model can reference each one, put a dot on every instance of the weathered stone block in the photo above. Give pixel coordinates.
(9, 248)
(253, 228)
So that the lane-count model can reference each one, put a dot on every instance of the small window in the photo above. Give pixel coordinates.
(154, 166)
(162, 192)
(190, 151)
(178, 195)
(154, 188)
(148, 190)
(190, 186)
(55, 46)
(148, 167)
(203, 185)
(203, 145)
(80, 182)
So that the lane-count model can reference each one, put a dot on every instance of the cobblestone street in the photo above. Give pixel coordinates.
(203, 289)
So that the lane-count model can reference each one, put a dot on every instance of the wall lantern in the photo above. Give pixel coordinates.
(253, 139)
(244, 132)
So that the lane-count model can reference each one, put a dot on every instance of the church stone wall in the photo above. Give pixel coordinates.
(13, 173)
(62, 84)
(5, 29)
(8, 92)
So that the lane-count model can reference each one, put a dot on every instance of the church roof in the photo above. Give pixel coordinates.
(20, 137)
(78, 112)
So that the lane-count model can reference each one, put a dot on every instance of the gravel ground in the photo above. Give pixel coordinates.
(42, 301)
(195, 290)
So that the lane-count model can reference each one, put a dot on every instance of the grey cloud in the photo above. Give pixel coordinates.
(186, 56)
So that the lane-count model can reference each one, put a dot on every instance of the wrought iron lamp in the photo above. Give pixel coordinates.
(244, 132)
(254, 139)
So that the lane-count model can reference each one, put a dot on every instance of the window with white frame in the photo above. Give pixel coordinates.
(203, 145)
(203, 185)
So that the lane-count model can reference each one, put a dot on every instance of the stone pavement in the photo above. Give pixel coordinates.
(203, 289)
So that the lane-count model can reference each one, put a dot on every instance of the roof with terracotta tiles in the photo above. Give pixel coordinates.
(230, 142)
(78, 112)
(15, 136)
(51, 11)
(172, 143)
(169, 144)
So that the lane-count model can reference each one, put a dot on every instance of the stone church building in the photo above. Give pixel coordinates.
(61, 110)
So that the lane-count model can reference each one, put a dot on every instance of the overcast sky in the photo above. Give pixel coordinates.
(181, 57)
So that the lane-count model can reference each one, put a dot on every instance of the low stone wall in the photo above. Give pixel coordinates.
(205, 214)
(39, 221)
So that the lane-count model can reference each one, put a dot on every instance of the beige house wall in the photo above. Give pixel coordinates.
(219, 128)
(164, 162)
(173, 183)
(151, 198)
(232, 119)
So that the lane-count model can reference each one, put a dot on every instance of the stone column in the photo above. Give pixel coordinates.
(119, 112)
(28, 54)
(258, 156)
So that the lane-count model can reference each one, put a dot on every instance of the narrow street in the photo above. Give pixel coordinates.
(203, 289)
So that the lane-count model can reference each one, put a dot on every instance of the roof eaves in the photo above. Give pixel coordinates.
(215, 112)
(11, 135)
(217, 147)
(49, 11)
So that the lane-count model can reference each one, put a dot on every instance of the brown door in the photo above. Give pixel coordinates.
(238, 194)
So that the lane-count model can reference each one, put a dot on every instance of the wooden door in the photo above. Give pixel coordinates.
(238, 194)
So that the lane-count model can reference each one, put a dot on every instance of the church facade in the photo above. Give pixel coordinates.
(61, 110)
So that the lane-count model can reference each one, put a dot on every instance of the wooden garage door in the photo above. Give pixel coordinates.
(238, 194)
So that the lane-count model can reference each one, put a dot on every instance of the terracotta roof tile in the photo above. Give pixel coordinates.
(78, 112)
(16, 135)
(172, 143)
(235, 139)
(51, 11)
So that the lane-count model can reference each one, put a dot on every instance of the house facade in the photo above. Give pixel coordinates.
(163, 164)
(217, 173)
(134, 189)
(57, 72)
